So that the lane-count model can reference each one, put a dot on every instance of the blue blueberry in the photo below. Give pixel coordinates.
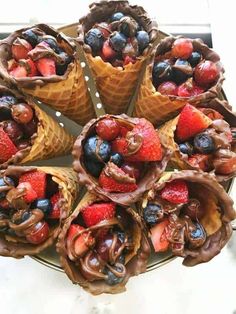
(4, 182)
(94, 39)
(186, 148)
(25, 216)
(117, 159)
(162, 71)
(31, 37)
(118, 41)
(182, 70)
(143, 40)
(194, 58)
(96, 149)
(112, 279)
(121, 259)
(152, 213)
(43, 204)
(204, 143)
(93, 167)
(62, 67)
(5, 107)
(52, 42)
(199, 232)
(117, 16)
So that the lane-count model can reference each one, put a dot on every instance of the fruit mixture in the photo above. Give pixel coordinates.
(206, 140)
(99, 240)
(17, 125)
(120, 40)
(117, 151)
(174, 218)
(183, 72)
(35, 53)
(29, 206)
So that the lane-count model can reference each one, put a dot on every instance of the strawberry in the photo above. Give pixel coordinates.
(19, 71)
(175, 192)
(227, 165)
(97, 212)
(46, 66)
(11, 64)
(211, 113)
(30, 194)
(37, 179)
(4, 204)
(202, 161)
(189, 88)
(55, 212)
(158, 236)
(107, 52)
(191, 122)
(123, 131)
(110, 184)
(29, 66)
(129, 59)
(20, 49)
(81, 244)
(7, 148)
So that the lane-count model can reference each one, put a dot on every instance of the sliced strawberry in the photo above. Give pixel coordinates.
(29, 193)
(29, 66)
(97, 212)
(19, 71)
(11, 64)
(46, 66)
(211, 113)
(37, 179)
(20, 49)
(107, 51)
(204, 162)
(7, 148)
(158, 236)
(189, 88)
(55, 212)
(175, 192)
(191, 122)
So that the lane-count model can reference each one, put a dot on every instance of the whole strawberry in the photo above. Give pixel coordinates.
(97, 212)
(37, 179)
(7, 148)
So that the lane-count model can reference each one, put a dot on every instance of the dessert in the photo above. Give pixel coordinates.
(118, 157)
(181, 218)
(203, 138)
(33, 204)
(183, 70)
(42, 63)
(117, 38)
(27, 133)
(101, 245)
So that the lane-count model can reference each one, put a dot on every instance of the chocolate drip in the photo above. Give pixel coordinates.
(111, 171)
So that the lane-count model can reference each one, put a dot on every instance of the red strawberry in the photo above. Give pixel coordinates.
(97, 212)
(7, 148)
(158, 236)
(30, 194)
(29, 66)
(227, 165)
(20, 48)
(38, 233)
(11, 64)
(123, 131)
(55, 212)
(189, 88)
(46, 66)
(175, 192)
(202, 161)
(191, 122)
(19, 72)
(81, 244)
(128, 60)
(211, 113)
(110, 184)
(37, 179)
(107, 51)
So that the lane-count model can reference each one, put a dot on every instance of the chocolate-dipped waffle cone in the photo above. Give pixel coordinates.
(115, 84)
(14, 246)
(216, 218)
(66, 93)
(135, 260)
(158, 108)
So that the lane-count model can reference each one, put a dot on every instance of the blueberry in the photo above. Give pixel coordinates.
(143, 40)
(203, 143)
(195, 58)
(121, 236)
(25, 216)
(117, 159)
(97, 150)
(52, 42)
(94, 39)
(62, 67)
(128, 26)
(8, 100)
(152, 213)
(199, 232)
(43, 204)
(121, 259)
(5, 107)
(162, 71)
(186, 148)
(118, 41)
(116, 16)
(93, 167)
(113, 279)
(4, 182)
(182, 70)
(31, 37)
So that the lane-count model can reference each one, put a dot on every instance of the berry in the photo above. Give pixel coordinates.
(37, 180)
(211, 113)
(159, 236)
(97, 150)
(46, 66)
(104, 28)
(19, 72)
(29, 66)
(162, 71)
(55, 212)
(182, 48)
(227, 164)
(20, 49)
(206, 73)
(43, 204)
(189, 88)
(182, 70)
(198, 233)
(11, 64)
(8, 100)
(128, 60)
(175, 192)
(5, 107)
(152, 213)
(112, 279)
(117, 159)
(143, 40)
(52, 43)
(108, 129)
(30, 128)
(201, 161)
(105, 245)
(128, 26)
(186, 148)
(94, 39)
(4, 183)
(168, 88)
(7, 147)
(107, 51)
(31, 37)
(25, 216)
(29, 193)
(93, 167)
(116, 16)
(13, 130)
(4, 204)
(133, 169)
(203, 143)
(62, 66)
(97, 212)
(195, 58)
(130, 49)
(191, 122)
(193, 209)
(22, 113)
(117, 41)
(39, 233)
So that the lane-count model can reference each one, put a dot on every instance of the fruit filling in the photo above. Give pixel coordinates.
(30, 206)
(183, 71)
(117, 152)
(35, 53)
(206, 140)
(100, 240)
(18, 123)
(119, 40)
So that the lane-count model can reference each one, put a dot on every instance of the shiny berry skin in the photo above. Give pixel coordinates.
(143, 40)
(117, 41)
(199, 232)
(22, 113)
(23, 144)
(13, 130)
(152, 213)
(182, 70)
(195, 58)
(104, 245)
(107, 52)
(182, 48)
(39, 233)
(203, 143)
(189, 89)
(186, 148)
(128, 26)
(97, 150)
(93, 167)
(162, 71)
(206, 73)
(94, 39)
(8, 100)
(117, 159)
(52, 42)
(5, 107)
(43, 204)
(30, 128)
(168, 88)
(112, 279)
(20, 49)
(31, 37)
(117, 16)
(108, 129)
(132, 169)
(104, 28)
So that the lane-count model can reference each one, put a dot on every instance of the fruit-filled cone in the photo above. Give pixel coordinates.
(119, 158)
(43, 63)
(101, 245)
(189, 213)
(117, 38)
(27, 133)
(183, 70)
(203, 138)
(33, 204)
